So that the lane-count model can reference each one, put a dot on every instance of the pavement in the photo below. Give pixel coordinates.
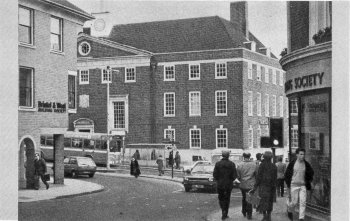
(74, 187)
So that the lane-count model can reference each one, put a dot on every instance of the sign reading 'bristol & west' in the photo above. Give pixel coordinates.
(304, 82)
(51, 107)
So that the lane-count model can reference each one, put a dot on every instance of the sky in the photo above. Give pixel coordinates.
(267, 19)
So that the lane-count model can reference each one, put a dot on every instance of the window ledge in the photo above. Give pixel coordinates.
(194, 79)
(72, 111)
(27, 109)
(221, 115)
(82, 83)
(57, 52)
(130, 81)
(27, 45)
(218, 78)
(169, 116)
(195, 148)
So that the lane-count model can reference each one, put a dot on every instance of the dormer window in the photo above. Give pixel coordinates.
(266, 51)
(251, 45)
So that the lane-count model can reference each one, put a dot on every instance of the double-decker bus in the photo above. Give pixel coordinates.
(93, 145)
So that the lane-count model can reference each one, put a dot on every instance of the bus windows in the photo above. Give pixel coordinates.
(89, 144)
(43, 140)
(67, 142)
(77, 142)
(49, 140)
(101, 145)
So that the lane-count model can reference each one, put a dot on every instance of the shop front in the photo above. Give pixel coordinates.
(308, 88)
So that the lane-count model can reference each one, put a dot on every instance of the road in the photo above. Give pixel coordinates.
(128, 199)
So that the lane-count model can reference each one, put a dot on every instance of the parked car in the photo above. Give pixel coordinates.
(187, 169)
(200, 176)
(75, 166)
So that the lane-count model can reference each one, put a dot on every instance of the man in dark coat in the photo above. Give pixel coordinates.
(266, 182)
(134, 167)
(298, 176)
(224, 174)
(39, 171)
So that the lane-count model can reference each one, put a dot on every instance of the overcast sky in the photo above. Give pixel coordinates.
(267, 19)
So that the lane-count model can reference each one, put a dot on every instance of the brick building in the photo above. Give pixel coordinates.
(308, 66)
(207, 82)
(47, 73)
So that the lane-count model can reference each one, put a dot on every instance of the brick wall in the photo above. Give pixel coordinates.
(299, 24)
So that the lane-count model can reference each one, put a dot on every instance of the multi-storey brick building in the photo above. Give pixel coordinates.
(308, 66)
(207, 82)
(47, 74)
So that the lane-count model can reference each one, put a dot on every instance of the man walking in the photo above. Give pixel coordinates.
(246, 173)
(39, 171)
(281, 169)
(224, 174)
(299, 175)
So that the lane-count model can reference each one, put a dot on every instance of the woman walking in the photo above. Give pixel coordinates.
(134, 168)
(159, 161)
(266, 182)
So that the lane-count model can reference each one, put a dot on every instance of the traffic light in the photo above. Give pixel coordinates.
(276, 132)
(265, 142)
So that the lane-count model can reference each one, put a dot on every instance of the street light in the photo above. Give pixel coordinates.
(109, 77)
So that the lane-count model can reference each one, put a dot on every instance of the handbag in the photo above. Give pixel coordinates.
(47, 177)
(253, 198)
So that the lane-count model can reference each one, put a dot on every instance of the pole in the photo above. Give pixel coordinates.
(109, 77)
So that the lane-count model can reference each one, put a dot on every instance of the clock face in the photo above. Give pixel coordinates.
(99, 24)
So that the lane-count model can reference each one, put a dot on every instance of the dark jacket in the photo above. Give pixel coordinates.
(39, 167)
(135, 168)
(225, 173)
(309, 174)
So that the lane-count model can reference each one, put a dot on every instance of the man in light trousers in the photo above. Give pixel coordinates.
(298, 176)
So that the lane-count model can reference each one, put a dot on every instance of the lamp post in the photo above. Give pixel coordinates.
(109, 80)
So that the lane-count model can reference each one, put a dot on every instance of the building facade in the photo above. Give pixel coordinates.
(308, 66)
(47, 74)
(207, 83)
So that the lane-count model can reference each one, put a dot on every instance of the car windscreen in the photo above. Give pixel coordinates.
(86, 162)
(205, 169)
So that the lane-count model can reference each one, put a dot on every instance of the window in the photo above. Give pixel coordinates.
(194, 72)
(258, 137)
(56, 34)
(195, 103)
(169, 104)
(71, 92)
(220, 71)
(84, 77)
(267, 105)
(221, 138)
(250, 75)
(254, 70)
(258, 74)
(280, 74)
(281, 106)
(250, 137)
(293, 106)
(195, 137)
(169, 133)
(26, 79)
(130, 75)
(221, 103)
(262, 70)
(84, 48)
(25, 27)
(267, 76)
(169, 73)
(258, 104)
(106, 76)
(250, 103)
(274, 80)
(274, 106)
(119, 115)
(294, 136)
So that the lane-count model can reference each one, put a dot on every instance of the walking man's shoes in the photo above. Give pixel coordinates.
(290, 215)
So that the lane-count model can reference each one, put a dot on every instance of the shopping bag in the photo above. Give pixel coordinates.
(253, 198)
(47, 177)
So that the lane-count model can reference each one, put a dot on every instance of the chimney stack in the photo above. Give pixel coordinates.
(239, 16)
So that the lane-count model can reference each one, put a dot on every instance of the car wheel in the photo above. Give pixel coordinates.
(187, 188)
(91, 175)
(74, 174)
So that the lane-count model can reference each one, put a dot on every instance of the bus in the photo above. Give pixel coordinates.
(93, 145)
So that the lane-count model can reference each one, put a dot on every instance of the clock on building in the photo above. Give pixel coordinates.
(99, 24)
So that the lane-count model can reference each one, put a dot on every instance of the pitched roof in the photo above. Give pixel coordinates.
(193, 34)
(69, 6)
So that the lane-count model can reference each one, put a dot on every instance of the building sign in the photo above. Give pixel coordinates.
(304, 82)
(51, 107)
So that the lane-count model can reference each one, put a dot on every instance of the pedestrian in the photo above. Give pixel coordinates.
(224, 174)
(298, 176)
(134, 168)
(281, 169)
(40, 170)
(246, 173)
(159, 161)
(266, 182)
(177, 160)
(153, 154)
(136, 155)
(171, 159)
